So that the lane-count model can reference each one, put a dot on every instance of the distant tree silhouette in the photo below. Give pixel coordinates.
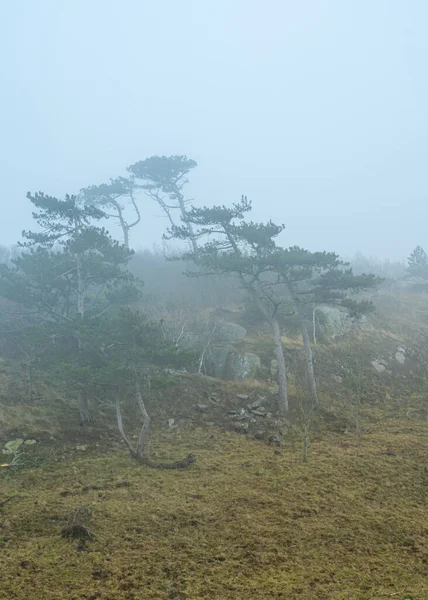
(418, 262)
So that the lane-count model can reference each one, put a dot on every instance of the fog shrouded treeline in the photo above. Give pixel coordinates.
(88, 312)
(165, 279)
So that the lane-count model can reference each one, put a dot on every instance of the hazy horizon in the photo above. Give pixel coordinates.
(315, 110)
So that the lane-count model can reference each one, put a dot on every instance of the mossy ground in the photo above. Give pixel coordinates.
(247, 521)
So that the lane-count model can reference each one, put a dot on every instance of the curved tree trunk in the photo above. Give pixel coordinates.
(188, 225)
(138, 452)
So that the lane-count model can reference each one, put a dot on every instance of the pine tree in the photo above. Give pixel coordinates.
(115, 197)
(313, 278)
(228, 245)
(163, 178)
(418, 262)
(70, 273)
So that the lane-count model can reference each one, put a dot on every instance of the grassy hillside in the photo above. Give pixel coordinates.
(250, 519)
(247, 521)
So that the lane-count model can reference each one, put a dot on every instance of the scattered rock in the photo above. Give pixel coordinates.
(333, 322)
(171, 423)
(81, 448)
(379, 365)
(337, 378)
(255, 404)
(258, 413)
(239, 415)
(242, 397)
(275, 439)
(400, 355)
(242, 427)
(260, 435)
(12, 446)
(202, 407)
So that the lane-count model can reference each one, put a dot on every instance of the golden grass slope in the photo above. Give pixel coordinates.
(247, 521)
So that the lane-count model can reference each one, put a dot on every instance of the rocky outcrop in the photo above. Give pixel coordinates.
(12, 447)
(215, 362)
(223, 361)
(241, 365)
(396, 361)
(333, 322)
(230, 332)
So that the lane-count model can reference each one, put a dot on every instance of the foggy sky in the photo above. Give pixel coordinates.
(316, 109)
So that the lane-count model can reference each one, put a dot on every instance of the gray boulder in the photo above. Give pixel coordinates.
(379, 364)
(224, 362)
(216, 360)
(333, 322)
(230, 332)
(12, 446)
(241, 365)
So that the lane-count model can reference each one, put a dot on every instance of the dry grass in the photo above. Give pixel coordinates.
(244, 522)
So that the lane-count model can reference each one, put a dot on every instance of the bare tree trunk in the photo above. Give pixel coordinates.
(138, 453)
(82, 398)
(279, 352)
(86, 417)
(125, 231)
(145, 415)
(282, 374)
(80, 283)
(186, 222)
(307, 346)
(309, 357)
(205, 349)
(314, 324)
(80, 289)
(123, 224)
(121, 429)
(126, 236)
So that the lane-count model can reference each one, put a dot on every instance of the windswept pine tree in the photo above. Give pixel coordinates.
(272, 275)
(117, 200)
(417, 263)
(70, 273)
(313, 278)
(226, 244)
(163, 179)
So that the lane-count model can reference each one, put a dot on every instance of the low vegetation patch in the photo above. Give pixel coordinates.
(246, 521)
